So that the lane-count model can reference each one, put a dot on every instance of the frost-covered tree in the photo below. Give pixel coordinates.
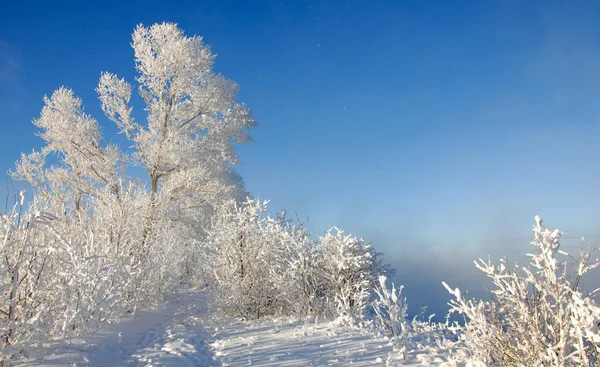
(86, 168)
(192, 124)
(537, 315)
(115, 242)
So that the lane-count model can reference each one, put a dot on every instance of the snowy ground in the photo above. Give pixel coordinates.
(172, 337)
(185, 333)
(280, 343)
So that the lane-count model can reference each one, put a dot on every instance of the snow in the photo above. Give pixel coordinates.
(187, 333)
(172, 337)
(280, 343)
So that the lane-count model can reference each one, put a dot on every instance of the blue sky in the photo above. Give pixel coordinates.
(434, 129)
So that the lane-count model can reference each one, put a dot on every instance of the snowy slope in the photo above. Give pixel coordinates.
(186, 333)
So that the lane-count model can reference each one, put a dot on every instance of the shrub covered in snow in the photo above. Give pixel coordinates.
(240, 260)
(391, 311)
(349, 269)
(268, 266)
(537, 315)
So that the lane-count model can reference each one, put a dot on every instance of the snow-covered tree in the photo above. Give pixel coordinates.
(115, 242)
(537, 315)
(193, 122)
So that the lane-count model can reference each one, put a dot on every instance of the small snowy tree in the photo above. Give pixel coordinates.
(536, 317)
(349, 270)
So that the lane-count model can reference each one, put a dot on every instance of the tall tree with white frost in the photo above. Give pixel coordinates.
(114, 241)
(193, 121)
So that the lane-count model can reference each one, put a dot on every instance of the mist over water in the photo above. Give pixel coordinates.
(421, 267)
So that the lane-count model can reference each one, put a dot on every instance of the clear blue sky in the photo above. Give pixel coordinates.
(434, 129)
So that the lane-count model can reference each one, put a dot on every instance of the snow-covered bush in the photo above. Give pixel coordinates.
(537, 315)
(52, 286)
(390, 312)
(241, 260)
(421, 336)
(261, 265)
(271, 266)
(295, 274)
(21, 271)
(348, 270)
